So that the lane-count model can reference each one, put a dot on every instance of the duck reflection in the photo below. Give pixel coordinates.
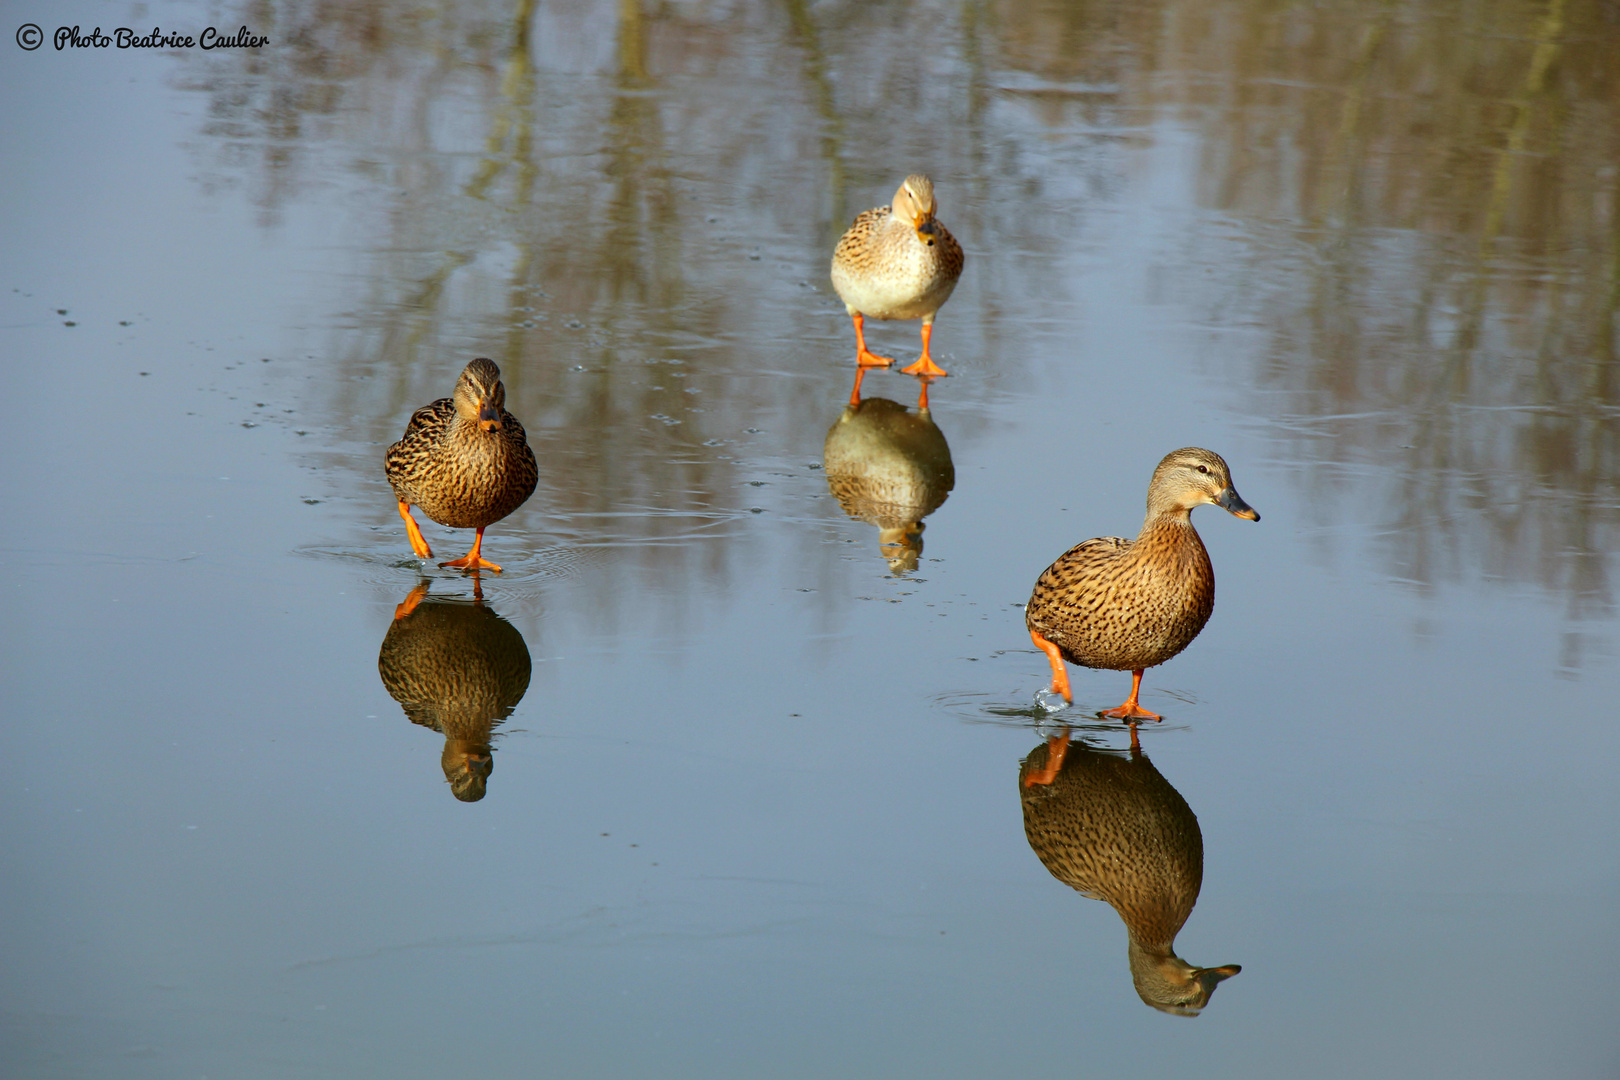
(460, 669)
(891, 467)
(1110, 826)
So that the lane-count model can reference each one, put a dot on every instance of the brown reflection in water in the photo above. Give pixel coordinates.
(1433, 218)
(532, 205)
(1111, 827)
(621, 192)
(1426, 211)
(889, 466)
(456, 667)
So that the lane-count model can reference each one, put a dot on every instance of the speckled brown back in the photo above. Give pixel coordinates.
(1126, 604)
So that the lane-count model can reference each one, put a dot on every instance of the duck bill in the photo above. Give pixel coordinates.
(1230, 501)
(927, 230)
(488, 418)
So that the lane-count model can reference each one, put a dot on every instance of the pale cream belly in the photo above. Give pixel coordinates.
(890, 299)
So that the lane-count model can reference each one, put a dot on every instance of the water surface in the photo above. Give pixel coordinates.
(757, 808)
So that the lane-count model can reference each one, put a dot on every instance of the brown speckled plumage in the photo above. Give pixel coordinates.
(464, 460)
(1113, 828)
(898, 262)
(1126, 605)
(460, 669)
(891, 467)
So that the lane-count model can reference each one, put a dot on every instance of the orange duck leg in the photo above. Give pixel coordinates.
(863, 356)
(419, 543)
(926, 366)
(472, 560)
(1130, 710)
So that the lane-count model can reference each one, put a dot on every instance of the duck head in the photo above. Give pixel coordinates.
(479, 395)
(914, 204)
(1170, 984)
(1191, 477)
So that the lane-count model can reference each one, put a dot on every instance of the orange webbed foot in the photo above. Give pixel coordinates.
(419, 542)
(866, 358)
(1130, 710)
(472, 560)
(926, 368)
(1060, 674)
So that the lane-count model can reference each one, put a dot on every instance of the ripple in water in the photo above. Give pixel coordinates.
(523, 576)
(1024, 710)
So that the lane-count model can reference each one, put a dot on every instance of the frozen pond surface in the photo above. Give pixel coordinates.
(755, 806)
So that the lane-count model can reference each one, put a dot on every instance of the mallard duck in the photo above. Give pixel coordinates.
(459, 669)
(1115, 829)
(891, 467)
(1128, 605)
(897, 262)
(465, 461)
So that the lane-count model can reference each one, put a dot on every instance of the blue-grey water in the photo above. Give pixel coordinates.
(756, 810)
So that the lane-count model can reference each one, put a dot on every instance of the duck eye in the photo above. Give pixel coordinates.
(1204, 469)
